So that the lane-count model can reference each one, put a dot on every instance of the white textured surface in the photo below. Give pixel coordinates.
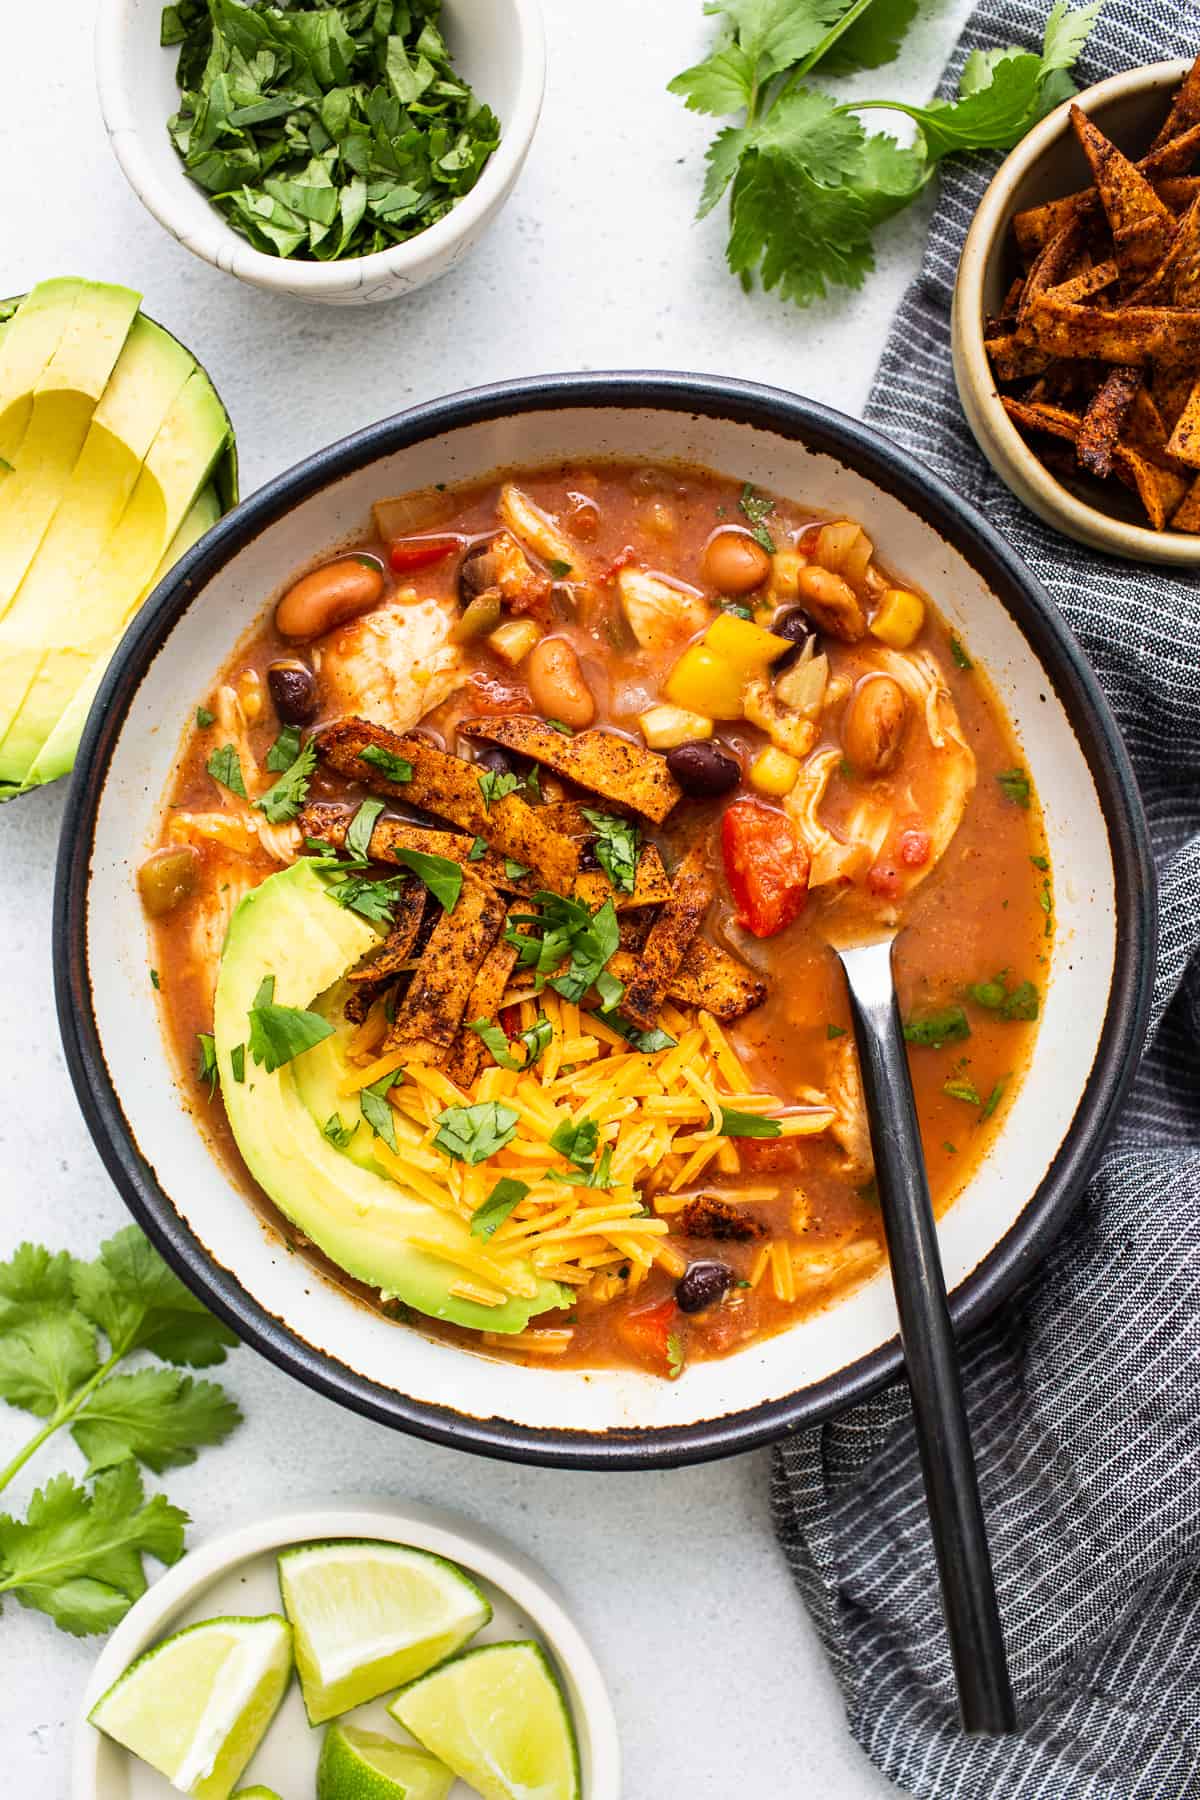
(719, 1682)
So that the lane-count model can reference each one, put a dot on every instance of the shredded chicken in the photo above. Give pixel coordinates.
(394, 665)
(843, 1091)
(787, 729)
(660, 612)
(214, 908)
(234, 823)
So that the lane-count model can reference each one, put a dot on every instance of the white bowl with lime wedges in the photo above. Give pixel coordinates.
(348, 1653)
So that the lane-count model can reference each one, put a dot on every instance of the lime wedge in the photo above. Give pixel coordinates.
(196, 1706)
(370, 1616)
(256, 1793)
(365, 1765)
(498, 1717)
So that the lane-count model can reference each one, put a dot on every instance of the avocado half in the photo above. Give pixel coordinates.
(116, 456)
(364, 1222)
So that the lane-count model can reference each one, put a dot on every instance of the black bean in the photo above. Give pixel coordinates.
(795, 625)
(500, 761)
(703, 771)
(703, 1285)
(294, 692)
(476, 572)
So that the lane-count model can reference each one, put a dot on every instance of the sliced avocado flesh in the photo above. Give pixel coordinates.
(109, 535)
(319, 1077)
(57, 755)
(43, 425)
(290, 928)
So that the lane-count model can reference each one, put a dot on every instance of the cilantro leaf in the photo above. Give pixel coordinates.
(285, 749)
(370, 898)
(507, 1194)
(1019, 1002)
(933, 1029)
(376, 1109)
(1016, 786)
(961, 659)
(157, 1416)
(141, 1304)
(478, 850)
(284, 798)
(224, 765)
(442, 877)
(723, 83)
(390, 766)
(204, 718)
(497, 784)
(278, 1034)
(645, 1041)
(962, 1090)
(471, 1134)
(360, 828)
(676, 1355)
(206, 1067)
(747, 1125)
(869, 39)
(617, 847)
(758, 508)
(337, 1131)
(78, 1557)
(535, 1039)
(47, 1349)
(577, 1142)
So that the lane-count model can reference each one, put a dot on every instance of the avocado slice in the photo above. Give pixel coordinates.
(57, 755)
(155, 437)
(289, 927)
(47, 403)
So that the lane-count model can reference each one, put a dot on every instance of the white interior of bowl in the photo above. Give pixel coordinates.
(237, 1575)
(401, 1358)
(497, 46)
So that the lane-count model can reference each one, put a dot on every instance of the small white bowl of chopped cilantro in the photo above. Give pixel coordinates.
(322, 149)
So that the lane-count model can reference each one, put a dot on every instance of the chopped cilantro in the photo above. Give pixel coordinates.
(994, 1098)
(278, 1034)
(514, 871)
(617, 844)
(390, 766)
(933, 1029)
(961, 659)
(237, 1062)
(337, 1131)
(1039, 862)
(571, 934)
(835, 1031)
(224, 765)
(442, 877)
(207, 1070)
(478, 850)
(283, 800)
(757, 508)
(471, 1134)
(576, 1142)
(497, 784)
(1019, 1002)
(488, 1217)
(373, 1104)
(155, 983)
(962, 1090)
(676, 1355)
(494, 1038)
(645, 1041)
(1015, 786)
(285, 749)
(358, 835)
(204, 718)
(747, 1125)
(558, 725)
(559, 569)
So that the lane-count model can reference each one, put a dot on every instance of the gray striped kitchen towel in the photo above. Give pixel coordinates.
(1085, 1392)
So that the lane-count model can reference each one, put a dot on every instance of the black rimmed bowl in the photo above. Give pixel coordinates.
(1009, 1210)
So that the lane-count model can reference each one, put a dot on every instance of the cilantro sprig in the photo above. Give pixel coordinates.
(65, 1329)
(617, 846)
(808, 186)
(564, 931)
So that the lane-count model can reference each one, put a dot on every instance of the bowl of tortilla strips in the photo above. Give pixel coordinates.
(1076, 322)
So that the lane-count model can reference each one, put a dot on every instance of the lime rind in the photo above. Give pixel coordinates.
(196, 1706)
(370, 1616)
(498, 1716)
(366, 1765)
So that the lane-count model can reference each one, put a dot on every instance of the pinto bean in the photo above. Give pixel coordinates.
(873, 724)
(734, 562)
(327, 596)
(556, 683)
(832, 602)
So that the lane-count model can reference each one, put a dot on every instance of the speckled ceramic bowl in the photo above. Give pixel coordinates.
(237, 1574)
(1014, 1202)
(1046, 164)
(499, 47)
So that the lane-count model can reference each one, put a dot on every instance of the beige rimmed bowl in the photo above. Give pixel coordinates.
(1047, 163)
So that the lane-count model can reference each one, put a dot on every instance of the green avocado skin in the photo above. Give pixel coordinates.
(365, 1223)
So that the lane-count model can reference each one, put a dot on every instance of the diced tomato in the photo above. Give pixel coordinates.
(769, 1155)
(492, 694)
(510, 1020)
(620, 561)
(648, 1334)
(408, 554)
(914, 849)
(766, 865)
(883, 880)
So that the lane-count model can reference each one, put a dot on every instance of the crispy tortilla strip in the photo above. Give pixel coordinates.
(707, 977)
(1146, 433)
(446, 785)
(1171, 389)
(428, 1019)
(1176, 281)
(1053, 265)
(1132, 334)
(673, 930)
(1104, 420)
(598, 760)
(487, 991)
(1186, 516)
(1087, 282)
(1142, 225)
(1159, 490)
(1041, 416)
(330, 821)
(1185, 108)
(382, 966)
(1165, 169)
(1013, 358)
(710, 1217)
(1185, 438)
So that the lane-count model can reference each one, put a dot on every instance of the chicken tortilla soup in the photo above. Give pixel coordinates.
(491, 907)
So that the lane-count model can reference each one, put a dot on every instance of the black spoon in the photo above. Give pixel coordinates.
(972, 1616)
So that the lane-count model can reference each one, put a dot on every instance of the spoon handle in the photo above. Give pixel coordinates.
(930, 1353)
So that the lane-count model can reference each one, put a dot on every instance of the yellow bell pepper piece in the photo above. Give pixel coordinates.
(743, 642)
(704, 682)
(899, 619)
(666, 727)
(774, 772)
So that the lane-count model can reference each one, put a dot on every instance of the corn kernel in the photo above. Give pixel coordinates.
(666, 727)
(774, 772)
(514, 640)
(899, 619)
